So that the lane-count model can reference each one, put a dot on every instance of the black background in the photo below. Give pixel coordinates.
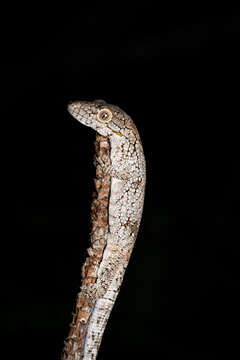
(175, 71)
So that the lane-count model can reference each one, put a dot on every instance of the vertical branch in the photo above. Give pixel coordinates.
(73, 346)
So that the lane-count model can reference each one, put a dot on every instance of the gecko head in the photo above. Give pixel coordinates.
(106, 119)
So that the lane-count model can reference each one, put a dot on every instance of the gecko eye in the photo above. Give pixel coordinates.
(104, 115)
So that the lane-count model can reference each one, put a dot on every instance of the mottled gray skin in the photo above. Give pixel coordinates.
(128, 175)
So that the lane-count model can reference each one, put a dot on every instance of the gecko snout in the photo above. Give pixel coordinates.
(71, 105)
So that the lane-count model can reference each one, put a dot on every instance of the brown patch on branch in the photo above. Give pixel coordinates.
(73, 345)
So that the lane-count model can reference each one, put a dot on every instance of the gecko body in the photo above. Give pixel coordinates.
(127, 171)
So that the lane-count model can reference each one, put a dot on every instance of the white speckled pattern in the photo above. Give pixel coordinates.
(128, 176)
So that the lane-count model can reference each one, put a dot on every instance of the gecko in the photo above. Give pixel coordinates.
(127, 171)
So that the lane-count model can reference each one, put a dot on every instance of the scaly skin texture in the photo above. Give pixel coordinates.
(74, 344)
(128, 174)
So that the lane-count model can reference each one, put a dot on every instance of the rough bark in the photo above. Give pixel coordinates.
(99, 218)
